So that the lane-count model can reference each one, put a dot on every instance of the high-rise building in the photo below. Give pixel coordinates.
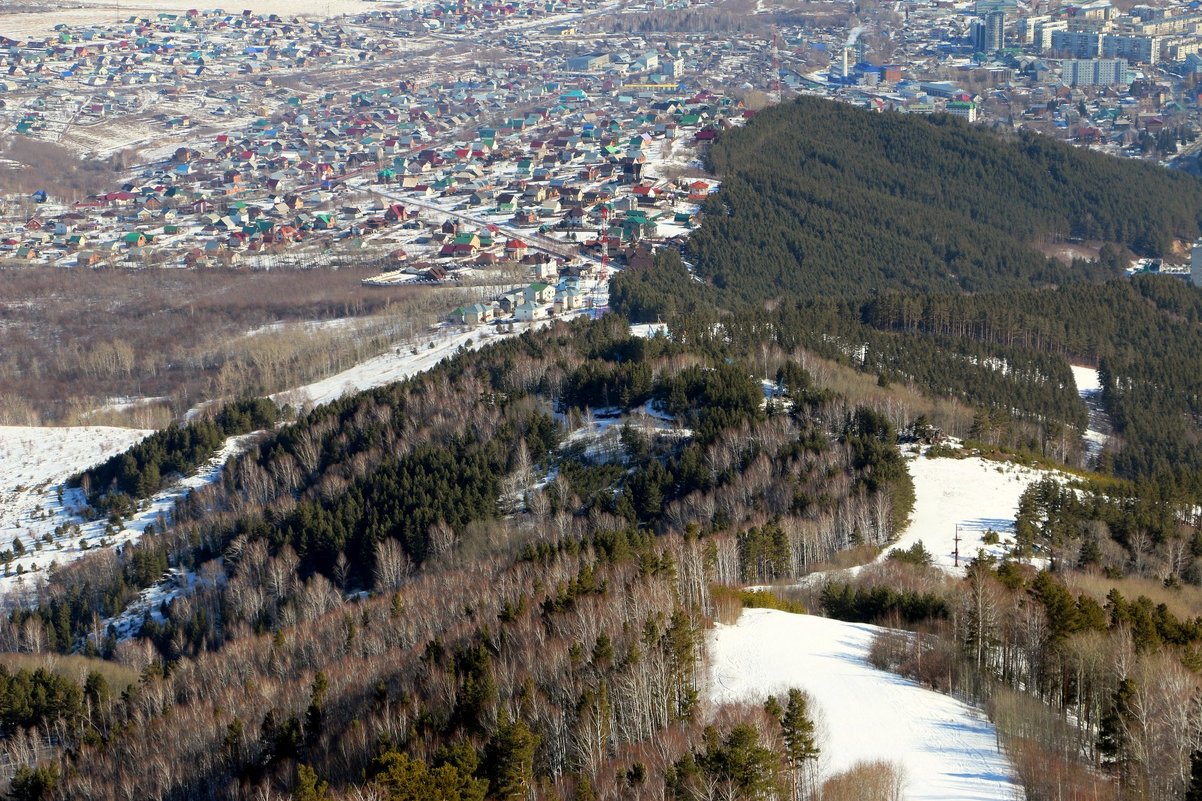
(1094, 71)
(1024, 28)
(1042, 33)
(1140, 49)
(1195, 265)
(989, 35)
(1077, 44)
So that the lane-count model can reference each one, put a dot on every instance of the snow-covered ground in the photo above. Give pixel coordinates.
(407, 360)
(947, 748)
(396, 365)
(971, 497)
(150, 600)
(1089, 387)
(600, 432)
(35, 463)
(648, 330)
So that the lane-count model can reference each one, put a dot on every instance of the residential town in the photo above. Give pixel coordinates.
(530, 146)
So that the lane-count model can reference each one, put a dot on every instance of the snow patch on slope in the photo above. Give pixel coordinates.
(35, 463)
(409, 360)
(948, 749)
(1089, 387)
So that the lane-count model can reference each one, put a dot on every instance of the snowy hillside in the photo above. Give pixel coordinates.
(972, 496)
(948, 749)
(34, 463)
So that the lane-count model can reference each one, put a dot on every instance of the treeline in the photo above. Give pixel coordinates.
(821, 198)
(1027, 396)
(843, 601)
(1148, 528)
(1142, 333)
(170, 453)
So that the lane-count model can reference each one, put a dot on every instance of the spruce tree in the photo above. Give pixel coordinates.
(511, 760)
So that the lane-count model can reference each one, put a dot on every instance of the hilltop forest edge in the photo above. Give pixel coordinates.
(493, 580)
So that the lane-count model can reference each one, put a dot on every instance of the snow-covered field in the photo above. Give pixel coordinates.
(947, 748)
(33, 464)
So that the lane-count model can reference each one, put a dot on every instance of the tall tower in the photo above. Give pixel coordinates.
(1195, 265)
(990, 34)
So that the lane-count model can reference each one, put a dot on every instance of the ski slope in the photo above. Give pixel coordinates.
(969, 497)
(948, 749)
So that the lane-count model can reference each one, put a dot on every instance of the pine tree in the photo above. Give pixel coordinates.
(801, 745)
(315, 714)
(309, 787)
(511, 759)
(742, 763)
(33, 784)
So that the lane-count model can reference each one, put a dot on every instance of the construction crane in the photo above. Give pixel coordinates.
(604, 242)
(775, 86)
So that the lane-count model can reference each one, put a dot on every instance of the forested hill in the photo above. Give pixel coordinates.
(821, 198)
(540, 550)
(907, 247)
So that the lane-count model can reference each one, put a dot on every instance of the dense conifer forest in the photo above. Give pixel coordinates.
(821, 198)
(896, 300)
(822, 239)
